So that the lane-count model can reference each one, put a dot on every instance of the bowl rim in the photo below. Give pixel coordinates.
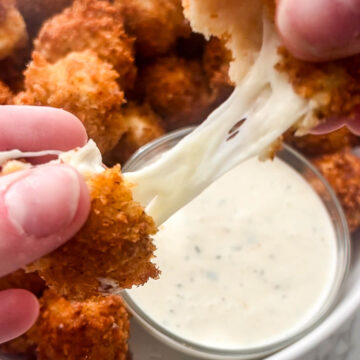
(195, 349)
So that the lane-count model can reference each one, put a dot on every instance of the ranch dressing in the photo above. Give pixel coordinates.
(248, 262)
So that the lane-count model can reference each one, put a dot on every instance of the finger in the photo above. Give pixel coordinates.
(36, 128)
(40, 209)
(330, 125)
(320, 29)
(336, 122)
(19, 310)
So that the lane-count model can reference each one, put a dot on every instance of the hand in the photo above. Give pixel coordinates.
(40, 208)
(320, 29)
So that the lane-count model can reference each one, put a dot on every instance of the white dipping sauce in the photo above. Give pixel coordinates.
(248, 262)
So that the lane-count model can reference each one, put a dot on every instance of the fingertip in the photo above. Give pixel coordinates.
(34, 128)
(45, 207)
(286, 20)
(319, 30)
(19, 310)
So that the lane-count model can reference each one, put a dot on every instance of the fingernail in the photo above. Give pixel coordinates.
(45, 201)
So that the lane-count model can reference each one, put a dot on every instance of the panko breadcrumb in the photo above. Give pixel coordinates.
(177, 90)
(216, 61)
(90, 330)
(334, 86)
(13, 34)
(143, 126)
(314, 145)
(342, 171)
(90, 24)
(156, 24)
(82, 84)
(113, 250)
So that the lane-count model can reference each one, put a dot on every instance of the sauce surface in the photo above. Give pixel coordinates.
(248, 262)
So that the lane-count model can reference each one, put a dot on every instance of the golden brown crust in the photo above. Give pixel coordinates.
(156, 24)
(91, 330)
(90, 24)
(114, 245)
(334, 86)
(313, 145)
(342, 171)
(82, 84)
(216, 63)
(177, 90)
(143, 126)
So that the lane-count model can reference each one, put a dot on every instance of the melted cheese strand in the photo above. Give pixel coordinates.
(269, 104)
(86, 160)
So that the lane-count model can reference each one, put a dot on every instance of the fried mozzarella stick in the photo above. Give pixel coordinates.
(155, 24)
(72, 330)
(264, 105)
(114, 248)
(90, 25)
(82, 84)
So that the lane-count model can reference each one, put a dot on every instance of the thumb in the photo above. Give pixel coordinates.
(40, 209)
(320, 29)
(18, 312)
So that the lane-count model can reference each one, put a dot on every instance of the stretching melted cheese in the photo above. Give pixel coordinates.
(262, 107)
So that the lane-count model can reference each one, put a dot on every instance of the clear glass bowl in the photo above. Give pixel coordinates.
(153, 150)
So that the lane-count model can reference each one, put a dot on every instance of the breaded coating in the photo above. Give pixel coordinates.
(216, 62)
(22, 280)
(90, 24)
(156, 24)
(82, 84)
(13, 33)
(35, 12)
(143, 126)
(314, 145)
(177, 90)
(342, 171)
(5, 94)
(334, 86)
(113, 250)
(91, 330)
